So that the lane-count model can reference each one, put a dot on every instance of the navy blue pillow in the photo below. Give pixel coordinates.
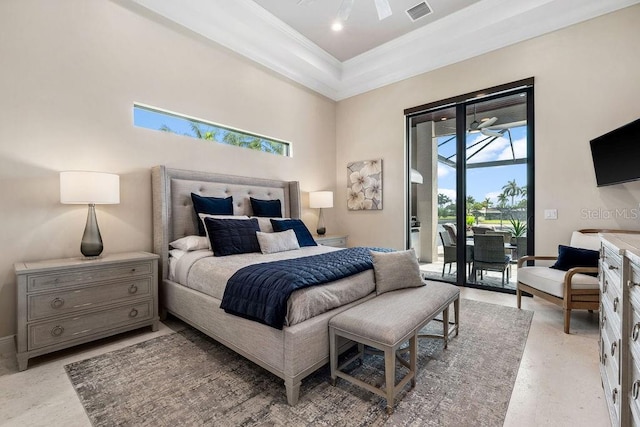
(298, 227)
(569, 257)
(266, 208)
(232, 236)
(211, 206)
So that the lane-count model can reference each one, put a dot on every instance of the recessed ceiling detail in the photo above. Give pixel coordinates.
(259, 30)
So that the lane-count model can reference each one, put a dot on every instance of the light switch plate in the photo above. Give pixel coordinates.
(550, 214)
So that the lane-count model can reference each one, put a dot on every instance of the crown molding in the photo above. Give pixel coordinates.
(248, 29)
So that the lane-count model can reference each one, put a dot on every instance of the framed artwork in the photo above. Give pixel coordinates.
(364, 185)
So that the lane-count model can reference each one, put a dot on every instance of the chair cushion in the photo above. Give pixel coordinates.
(551, 281)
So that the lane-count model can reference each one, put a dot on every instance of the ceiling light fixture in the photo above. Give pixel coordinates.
(337, 26)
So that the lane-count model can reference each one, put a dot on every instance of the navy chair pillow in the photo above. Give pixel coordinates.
(569, 257)
(211, 206)
(266, 208)
(232, 236)
(298, 227)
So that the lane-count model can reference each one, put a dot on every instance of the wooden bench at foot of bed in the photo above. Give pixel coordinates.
(385, 323)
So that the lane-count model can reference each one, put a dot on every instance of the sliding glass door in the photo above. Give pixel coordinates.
(470, 186)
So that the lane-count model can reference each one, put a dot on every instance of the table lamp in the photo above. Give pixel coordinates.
(91, 188)
(321, 199)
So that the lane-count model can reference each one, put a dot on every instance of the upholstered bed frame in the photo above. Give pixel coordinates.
(291, 353)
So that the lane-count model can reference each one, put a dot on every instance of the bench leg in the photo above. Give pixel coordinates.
(333, 355)
(413, 358)
(456, 313)
(390, 377)
(445, 326)
(293, 391)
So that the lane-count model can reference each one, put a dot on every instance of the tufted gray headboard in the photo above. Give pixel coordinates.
(173, 215)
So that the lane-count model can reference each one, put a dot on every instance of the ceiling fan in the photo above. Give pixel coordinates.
(382, 7)
(484, 126)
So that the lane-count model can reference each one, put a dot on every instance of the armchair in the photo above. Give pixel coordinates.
(573, 289)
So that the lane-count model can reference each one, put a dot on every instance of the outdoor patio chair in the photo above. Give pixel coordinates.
(481, 229)
(450, 252)
(488, 255)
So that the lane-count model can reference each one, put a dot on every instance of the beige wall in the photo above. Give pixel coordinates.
(70, 73)
(586, 83)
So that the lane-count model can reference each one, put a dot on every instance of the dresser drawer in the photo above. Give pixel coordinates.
(67, 301)
(611, 260)
(612, 306)
(42, 282)
(71, 328)
(612, 393)
(634, 395)
(610, 284)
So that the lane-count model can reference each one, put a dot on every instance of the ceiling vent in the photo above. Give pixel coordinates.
(418, 11)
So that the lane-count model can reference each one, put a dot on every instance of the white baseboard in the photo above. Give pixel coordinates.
(8, 345)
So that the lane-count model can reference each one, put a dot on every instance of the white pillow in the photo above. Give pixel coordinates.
(265, 223)
(203, 216)
(177, 253)
(396, 270)
(277, 242)
(190, 243)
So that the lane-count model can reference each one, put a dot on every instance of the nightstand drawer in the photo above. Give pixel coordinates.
(72, 300)
(43, 282)
(71, 328)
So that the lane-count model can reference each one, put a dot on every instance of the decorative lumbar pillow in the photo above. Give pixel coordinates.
(211, 206)
(232, 236)
(569, 257)
(396, 270)
(266, 208)
(301, 230)
(277, 242)
(190, 243)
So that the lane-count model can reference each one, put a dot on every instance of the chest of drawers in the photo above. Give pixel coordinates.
(65, 302)
(620, 327)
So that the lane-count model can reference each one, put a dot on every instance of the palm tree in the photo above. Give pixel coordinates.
(502, 200)
(511, 189)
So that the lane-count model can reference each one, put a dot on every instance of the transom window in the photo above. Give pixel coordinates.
(164, 121)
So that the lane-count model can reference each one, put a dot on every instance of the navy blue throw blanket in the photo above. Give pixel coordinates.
(260, 291)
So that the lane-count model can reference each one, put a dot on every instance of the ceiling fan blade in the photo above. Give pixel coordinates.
(383, 8)
(487, 132)
(345, 10)
(487, 122)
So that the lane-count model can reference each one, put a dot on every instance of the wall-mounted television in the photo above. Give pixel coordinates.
(616, 155)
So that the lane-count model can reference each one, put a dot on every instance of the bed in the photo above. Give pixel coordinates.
(291, 353)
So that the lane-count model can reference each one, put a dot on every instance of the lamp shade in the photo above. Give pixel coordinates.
(82, 187)
(416, 177)
(321, 199)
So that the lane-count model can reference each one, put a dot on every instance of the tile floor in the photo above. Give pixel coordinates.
(558, 383)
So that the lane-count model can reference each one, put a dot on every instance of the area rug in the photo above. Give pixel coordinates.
(186, 378)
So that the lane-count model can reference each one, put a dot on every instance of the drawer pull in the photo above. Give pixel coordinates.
(133, 289)
(614, 345)
(613, 267)
(635, 390)
(57, 302)
(615, 304)
(57, 331)
(133, 270)
(605, 286)
(614, 395)
(604, 320)
(631, 284)
(133, 312)
(635, 332)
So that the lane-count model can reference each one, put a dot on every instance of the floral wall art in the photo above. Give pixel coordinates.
(364, 185)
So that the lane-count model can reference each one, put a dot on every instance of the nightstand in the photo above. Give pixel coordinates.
(335, 240)
(65, 302)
